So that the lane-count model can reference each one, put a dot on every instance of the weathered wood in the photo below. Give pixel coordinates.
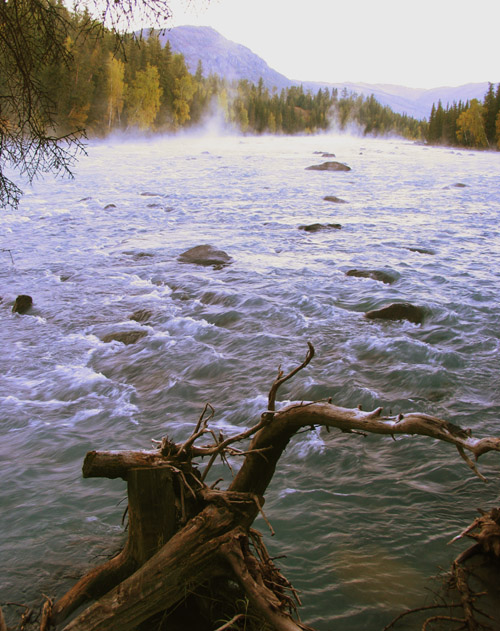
(117, 464)
(257, 472)
(190, 557)
(263, 600)
(152, 522)
(151, 511)
(486, 531)
(93, 585)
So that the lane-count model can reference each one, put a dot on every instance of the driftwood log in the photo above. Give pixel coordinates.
(185, 538)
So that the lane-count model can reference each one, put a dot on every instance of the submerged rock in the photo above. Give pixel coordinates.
(317, 227)
(22, 304)
(374, 274)
(141, 315)
(125, 337)
(137, 256)
(205, 255)
(422, 250)
(398, 311)
(336, 200)
(329, 166)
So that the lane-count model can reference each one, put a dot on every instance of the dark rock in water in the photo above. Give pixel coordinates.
(374, 274)
(205, 255)
(328, 155)
(137, 256)
(109, 206)
(141, 315)
(460, 185)
(317, 227)
(422, 250)
(336, 200)
(398, 311)
(329, 166)
(22, 304)
(125, 337)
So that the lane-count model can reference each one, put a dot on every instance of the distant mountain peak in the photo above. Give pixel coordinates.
(221, 56)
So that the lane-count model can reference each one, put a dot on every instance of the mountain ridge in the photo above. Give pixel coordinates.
(234, 61)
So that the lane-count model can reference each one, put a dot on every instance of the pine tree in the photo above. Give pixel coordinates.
(490, 112)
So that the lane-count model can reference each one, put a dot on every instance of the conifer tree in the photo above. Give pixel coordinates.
(490, 111)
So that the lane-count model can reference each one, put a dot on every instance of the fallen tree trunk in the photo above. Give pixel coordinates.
(183, 534)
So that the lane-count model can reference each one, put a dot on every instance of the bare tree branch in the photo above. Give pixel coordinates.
(280, 379)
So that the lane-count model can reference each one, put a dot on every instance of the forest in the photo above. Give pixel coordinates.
(140, 85)
(471, 124)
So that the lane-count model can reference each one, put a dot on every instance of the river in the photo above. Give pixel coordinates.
(363, 521)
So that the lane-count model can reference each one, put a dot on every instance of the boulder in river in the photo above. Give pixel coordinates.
(374, 274)
(398, 311)
(22, 304)
(317, 227)
(335, 200)
(205, 255)
(141, 315)
(421, 250)
(125, 337)
(329, 166)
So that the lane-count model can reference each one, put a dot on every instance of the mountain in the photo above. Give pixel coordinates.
(221, 56)
(234, 62)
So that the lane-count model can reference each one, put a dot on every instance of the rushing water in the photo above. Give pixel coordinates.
(364, 522)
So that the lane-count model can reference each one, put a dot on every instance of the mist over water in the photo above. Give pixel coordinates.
(364, 522)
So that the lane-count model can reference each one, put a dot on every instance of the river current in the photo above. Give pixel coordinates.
(363, 521)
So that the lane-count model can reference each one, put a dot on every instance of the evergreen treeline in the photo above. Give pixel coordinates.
(470, 124)
(142, 85)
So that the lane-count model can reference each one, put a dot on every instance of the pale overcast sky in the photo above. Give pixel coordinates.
(423, 44)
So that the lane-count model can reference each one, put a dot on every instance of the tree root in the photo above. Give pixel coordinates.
(262, 585)
(486, 531)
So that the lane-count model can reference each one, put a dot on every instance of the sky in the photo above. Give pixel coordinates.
(425, 44)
